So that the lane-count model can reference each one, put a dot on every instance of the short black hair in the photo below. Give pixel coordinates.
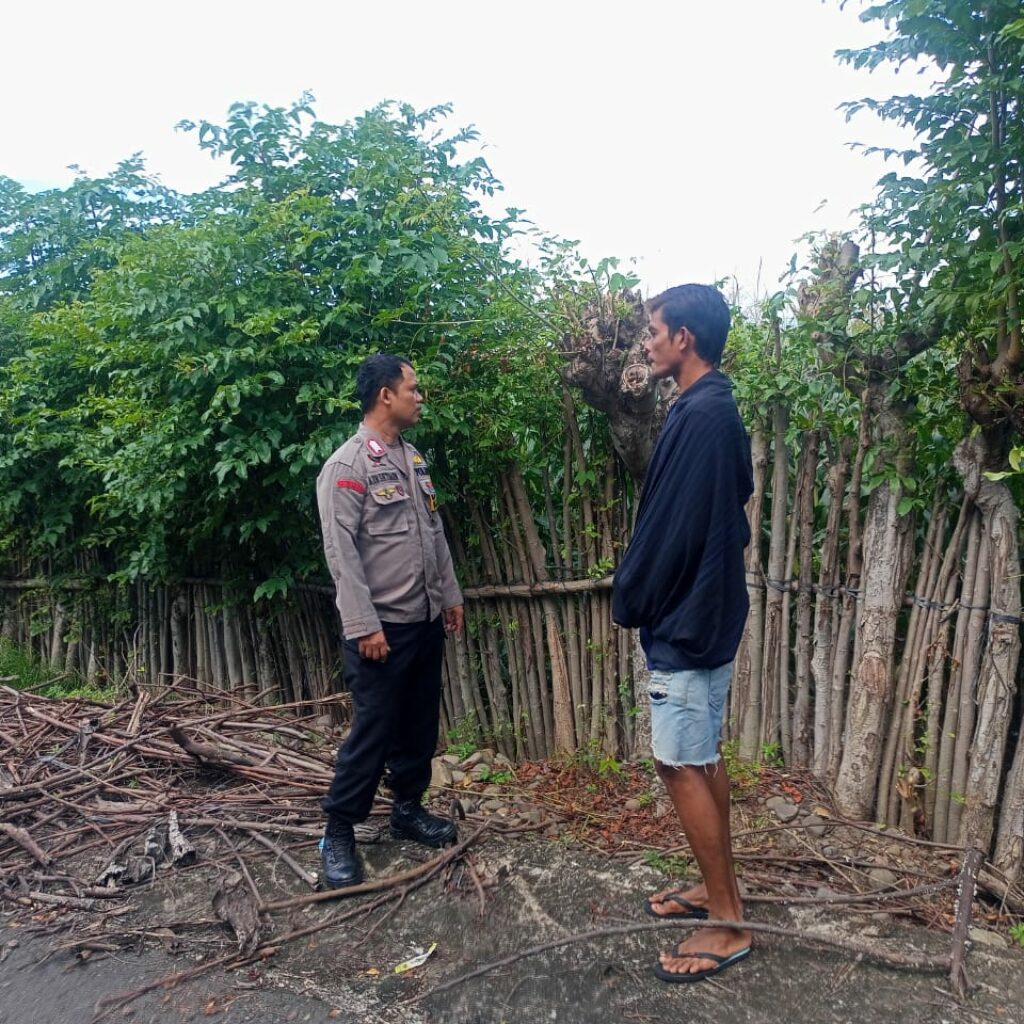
(376, 372)
(702, 310)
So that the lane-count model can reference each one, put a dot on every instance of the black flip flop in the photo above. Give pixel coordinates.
(690, 910)
(721, 962)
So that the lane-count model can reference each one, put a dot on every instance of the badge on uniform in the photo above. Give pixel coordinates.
(351, 485)
(386, 492)
(376, 449)
(417, 459)
(428, 489)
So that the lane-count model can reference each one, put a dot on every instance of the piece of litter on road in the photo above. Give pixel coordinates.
(416, 961)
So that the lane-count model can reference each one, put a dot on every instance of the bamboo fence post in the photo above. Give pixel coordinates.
(57, 650)
(247, 649)
(973, 651)
(606, 553)
(232, 654)
(802, 733)
(784, 682)
(935, 683)
(477, 685)
(889, 776)
(952, 705)
(995, 693)
(523, 733)
(447, 716)
(747, 685)
(154, 628)
(587, 688)
(538, 619)
(574, 613)
(293, 658)
(848, 612)
(825, 604)
(777, 587)
(526, 633)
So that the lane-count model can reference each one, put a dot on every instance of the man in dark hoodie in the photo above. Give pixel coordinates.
(682, 582)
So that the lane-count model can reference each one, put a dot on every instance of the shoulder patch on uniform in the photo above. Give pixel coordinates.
(417, 459)
(352, 485)
(376, 449)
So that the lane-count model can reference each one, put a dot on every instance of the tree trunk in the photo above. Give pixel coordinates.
(606, 362)
(888, 539)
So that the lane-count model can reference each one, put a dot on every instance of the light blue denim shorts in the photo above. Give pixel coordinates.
(687, 714)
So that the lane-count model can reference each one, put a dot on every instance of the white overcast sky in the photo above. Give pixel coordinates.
(700, 137)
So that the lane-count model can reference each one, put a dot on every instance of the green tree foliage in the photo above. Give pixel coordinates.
(179, 369)
(955, 216)
(52, 242)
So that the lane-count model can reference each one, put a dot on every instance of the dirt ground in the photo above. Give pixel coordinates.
(158, 862)
(534, 891)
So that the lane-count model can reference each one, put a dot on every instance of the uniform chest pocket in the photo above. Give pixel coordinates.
(387, 512)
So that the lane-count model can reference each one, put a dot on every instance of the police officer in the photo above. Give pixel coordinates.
(397, 595)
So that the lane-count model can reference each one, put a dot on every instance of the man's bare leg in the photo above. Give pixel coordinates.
(698, 894)
(696, 793)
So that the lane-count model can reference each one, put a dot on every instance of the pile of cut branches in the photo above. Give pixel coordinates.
(99, 801)
(98, 798)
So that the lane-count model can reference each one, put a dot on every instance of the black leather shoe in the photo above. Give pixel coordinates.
(339, 861)
(411, 820)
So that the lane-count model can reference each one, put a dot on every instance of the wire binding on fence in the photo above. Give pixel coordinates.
(581, 586)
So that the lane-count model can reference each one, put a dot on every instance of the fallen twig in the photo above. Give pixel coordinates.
(962, 927)
(27, 843)
(377, 884)
(307, 876)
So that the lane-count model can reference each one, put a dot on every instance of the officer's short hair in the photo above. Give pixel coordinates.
(702, 310)
(376, 372)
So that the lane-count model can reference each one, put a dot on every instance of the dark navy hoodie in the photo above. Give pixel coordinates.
(682, 579)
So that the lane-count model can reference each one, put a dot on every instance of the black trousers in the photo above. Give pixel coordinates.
(397, 710)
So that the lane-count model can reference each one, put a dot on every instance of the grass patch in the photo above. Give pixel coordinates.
(673, 865)
(23, 671)
(745, 775)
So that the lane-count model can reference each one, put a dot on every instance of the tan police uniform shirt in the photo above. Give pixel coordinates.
(383, 539)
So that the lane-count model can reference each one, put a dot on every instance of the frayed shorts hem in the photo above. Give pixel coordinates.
(687, 764)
